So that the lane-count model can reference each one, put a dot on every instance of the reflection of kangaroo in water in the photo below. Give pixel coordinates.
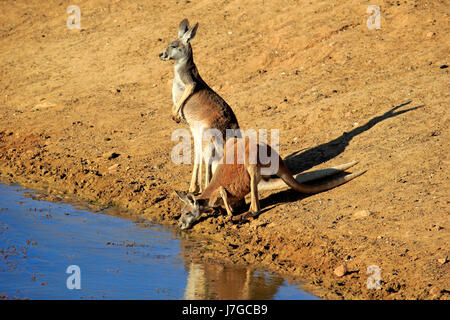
(218, 281)
(214, 281)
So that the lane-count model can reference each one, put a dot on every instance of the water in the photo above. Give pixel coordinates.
(117, 258)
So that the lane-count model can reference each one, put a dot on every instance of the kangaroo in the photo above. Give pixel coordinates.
(196, 103)
(231, 182)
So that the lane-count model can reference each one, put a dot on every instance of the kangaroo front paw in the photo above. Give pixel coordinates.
(176, 118)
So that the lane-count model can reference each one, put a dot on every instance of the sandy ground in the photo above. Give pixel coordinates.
(336, 90)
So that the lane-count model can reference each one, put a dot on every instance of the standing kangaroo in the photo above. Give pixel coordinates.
(196, 103)
(231, 182)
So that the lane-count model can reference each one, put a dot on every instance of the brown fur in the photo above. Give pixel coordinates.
(194, 101)
(231, 182)
(207, 106)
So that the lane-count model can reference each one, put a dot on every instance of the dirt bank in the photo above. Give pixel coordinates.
(86, 113)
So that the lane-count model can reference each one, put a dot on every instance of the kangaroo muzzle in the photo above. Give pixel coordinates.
(163, 56)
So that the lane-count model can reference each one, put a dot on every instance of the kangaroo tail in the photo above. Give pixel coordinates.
(287, 180)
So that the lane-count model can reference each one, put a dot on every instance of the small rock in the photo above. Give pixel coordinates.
(361, 214)
(435, 291)
(430, 34)
(393, 287)
(436, 227)
(435, 133)
(113, 167)
(340, 270)
(111, 155)
(443, 260)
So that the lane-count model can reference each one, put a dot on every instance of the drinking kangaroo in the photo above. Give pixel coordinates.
(233, 180)
(203, 109)
(196, 103)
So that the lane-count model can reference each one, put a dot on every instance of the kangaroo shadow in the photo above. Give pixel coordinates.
(301, 160)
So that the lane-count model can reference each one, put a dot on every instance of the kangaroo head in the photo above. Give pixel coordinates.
(180, 47)
(192, 209)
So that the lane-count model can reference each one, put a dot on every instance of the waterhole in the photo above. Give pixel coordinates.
(54, 250)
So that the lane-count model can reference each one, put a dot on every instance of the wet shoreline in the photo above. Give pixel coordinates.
(118, 258)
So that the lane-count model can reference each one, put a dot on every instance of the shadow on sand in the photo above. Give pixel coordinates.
(302, 160)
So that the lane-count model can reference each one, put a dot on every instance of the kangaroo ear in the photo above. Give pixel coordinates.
(182, 196)
(191, 198)
(190, 34)
(187, 198)
(184, 26)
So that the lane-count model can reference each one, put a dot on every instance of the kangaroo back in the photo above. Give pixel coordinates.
(210, 109)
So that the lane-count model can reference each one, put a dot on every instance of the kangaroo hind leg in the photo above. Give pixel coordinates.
(254, 204)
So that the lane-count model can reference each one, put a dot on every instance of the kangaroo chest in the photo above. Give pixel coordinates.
(177, 88)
